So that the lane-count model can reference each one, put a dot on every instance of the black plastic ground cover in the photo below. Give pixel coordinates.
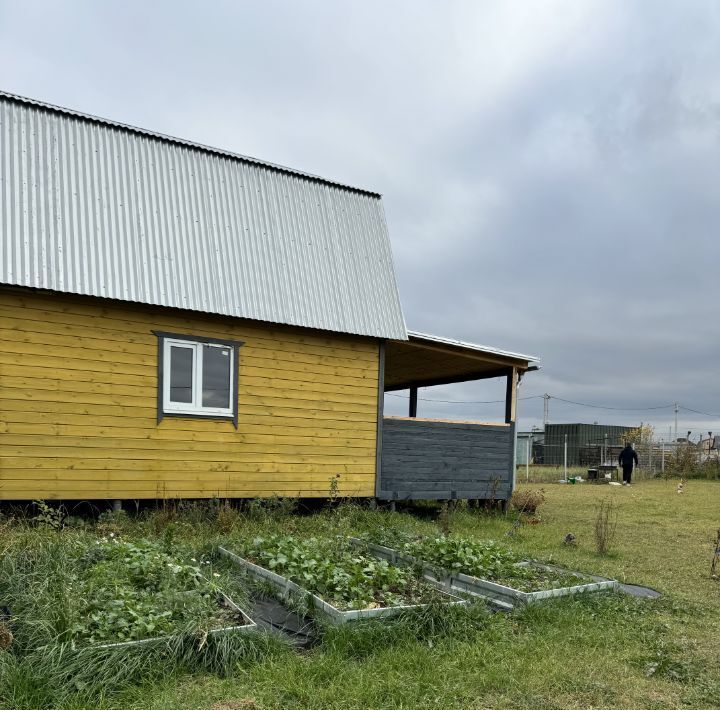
(275, 617)
(637, 591)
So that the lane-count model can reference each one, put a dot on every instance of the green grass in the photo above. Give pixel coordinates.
(608, 651)
(541, 473)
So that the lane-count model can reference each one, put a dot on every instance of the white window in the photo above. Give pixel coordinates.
(197, 377)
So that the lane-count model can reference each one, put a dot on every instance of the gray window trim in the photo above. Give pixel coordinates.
(234, 344)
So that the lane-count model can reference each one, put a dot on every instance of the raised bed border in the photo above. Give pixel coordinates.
(248, 627)
(287, 588)
(500, 596)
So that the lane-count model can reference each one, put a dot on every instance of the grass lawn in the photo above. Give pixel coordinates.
(608, 651)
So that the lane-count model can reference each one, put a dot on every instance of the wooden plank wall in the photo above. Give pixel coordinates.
(436, 460)
(78, 397)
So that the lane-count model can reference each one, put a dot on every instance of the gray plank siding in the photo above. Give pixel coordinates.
(424, 459)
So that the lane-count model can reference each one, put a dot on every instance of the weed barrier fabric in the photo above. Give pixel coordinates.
(271, 615)
(639, 591)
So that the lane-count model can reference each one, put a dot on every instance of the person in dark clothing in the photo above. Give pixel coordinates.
(628, 457)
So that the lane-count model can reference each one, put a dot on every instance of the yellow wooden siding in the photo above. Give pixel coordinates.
(78, 398)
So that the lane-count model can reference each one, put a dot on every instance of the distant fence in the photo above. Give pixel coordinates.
(655, 458)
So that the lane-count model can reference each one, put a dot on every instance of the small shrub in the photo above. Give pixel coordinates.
(270, 508)
(164, 516)
(444, 518)
(227, 518)
(334, 488)
(49, 516)
(605, 526)
(112, 521)
(528, 501)
(687, 462)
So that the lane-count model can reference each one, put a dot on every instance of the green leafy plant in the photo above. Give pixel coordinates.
(67, 599)
(107, 592)
(334, 488)
(136, 590)
(273, 508)
(49, 516)
(343, 577)
(478, 558)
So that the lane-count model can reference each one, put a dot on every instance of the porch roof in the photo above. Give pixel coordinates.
(425, 360)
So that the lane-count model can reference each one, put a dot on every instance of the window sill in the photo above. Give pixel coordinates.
(198, 415)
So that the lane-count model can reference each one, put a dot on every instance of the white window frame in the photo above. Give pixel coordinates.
(195, 407)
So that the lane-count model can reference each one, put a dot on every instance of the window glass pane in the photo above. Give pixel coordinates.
(216, 377)
(181, 366)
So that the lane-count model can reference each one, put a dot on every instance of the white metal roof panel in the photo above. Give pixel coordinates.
(91, 207)
(417, 336)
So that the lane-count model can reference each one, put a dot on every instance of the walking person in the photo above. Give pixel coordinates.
(628, 457)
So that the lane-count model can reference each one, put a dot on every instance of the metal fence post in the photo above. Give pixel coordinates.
(565, 458)
(527, 460)
(662, 464)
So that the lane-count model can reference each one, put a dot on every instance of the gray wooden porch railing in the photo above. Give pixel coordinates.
(430, 459)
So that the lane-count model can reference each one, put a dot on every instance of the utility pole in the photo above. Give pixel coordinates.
(546, 408)
(676, 417)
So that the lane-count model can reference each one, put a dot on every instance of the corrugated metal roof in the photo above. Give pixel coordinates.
(415, 335)
(179, 141)
(92, 207)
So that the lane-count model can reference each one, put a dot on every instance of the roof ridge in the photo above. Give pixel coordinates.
(182, 141)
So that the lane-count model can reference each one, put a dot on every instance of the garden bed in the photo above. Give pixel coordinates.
(340, 582)
(115, 593)
(487, 570)
(230, 619)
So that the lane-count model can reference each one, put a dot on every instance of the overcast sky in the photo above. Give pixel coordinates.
(550, 170)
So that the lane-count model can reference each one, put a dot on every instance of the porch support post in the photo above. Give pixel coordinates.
(510, 417)
(511, 396)
(413, 402)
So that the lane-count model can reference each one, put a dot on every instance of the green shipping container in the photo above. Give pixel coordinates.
(579, 435)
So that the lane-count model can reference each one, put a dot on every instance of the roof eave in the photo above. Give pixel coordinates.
(417, 336)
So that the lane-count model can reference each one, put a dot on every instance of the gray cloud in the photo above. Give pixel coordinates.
(550, 170)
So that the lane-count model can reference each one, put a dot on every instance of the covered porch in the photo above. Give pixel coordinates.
(439, 459)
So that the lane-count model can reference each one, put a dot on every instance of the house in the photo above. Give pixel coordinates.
(181, 321)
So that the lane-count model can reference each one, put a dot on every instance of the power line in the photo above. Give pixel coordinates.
(461, 401)
(561, 399)
(695, 411)
(536, 396)
(617, 409)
